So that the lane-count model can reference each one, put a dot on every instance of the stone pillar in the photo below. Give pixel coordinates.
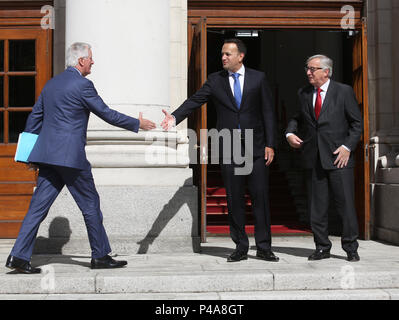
(383, 51)
(383, 69)
(145, 185)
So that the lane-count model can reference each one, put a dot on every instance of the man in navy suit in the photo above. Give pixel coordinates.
(60, 118)
(242, 99)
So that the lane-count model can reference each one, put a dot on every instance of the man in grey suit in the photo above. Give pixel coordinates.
(326, 129)
(60, 118)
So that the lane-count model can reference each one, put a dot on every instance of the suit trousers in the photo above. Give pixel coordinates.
(258, 184)
(339, 185)
(50, 182)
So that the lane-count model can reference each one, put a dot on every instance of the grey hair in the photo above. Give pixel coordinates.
(325, 63)
(75, 51)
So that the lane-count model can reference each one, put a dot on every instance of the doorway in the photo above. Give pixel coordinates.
(280, 16)
(25, 66)
(281, 54)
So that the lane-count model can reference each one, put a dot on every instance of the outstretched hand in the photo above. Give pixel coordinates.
(146, 124)
(168, 122)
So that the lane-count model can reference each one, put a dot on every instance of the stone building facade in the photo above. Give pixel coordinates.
(148, 197)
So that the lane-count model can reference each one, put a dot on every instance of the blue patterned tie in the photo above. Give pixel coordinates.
(237, 89)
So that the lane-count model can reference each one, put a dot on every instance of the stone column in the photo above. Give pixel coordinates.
(130, 41)
(145, 185)
(383, 50)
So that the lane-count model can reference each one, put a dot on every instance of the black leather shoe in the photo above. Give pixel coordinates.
(267, 255)
(353, 256)
(237, 255)
(20, 265)
(319, 255)
(107, 262)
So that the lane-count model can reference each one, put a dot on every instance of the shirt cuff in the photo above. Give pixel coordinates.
(288, 134)
(346, 148)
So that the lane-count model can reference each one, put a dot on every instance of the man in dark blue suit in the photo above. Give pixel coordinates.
(242, 100)
(60, 118)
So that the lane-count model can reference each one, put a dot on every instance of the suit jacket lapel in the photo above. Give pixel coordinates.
(330, 93)
(227, 88)
(247, 82)
(309, 99)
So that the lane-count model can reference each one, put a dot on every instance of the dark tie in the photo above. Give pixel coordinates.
(237, 89)
(317, 106)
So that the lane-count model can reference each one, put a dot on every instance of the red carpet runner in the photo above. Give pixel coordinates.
(276, 230)
(283, 211)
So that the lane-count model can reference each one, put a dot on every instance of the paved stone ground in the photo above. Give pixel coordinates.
(207, 275)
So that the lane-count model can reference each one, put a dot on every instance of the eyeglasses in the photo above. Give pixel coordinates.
(311, 69)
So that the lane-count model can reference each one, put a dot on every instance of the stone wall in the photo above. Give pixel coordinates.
(383, 52)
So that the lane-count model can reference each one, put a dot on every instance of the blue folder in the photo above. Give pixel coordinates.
(26, 142)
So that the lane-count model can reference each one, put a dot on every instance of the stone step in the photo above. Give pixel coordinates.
(208, 274)
(178, 281)
(365, 294)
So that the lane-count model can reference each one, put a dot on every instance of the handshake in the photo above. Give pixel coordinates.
(168, 122)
